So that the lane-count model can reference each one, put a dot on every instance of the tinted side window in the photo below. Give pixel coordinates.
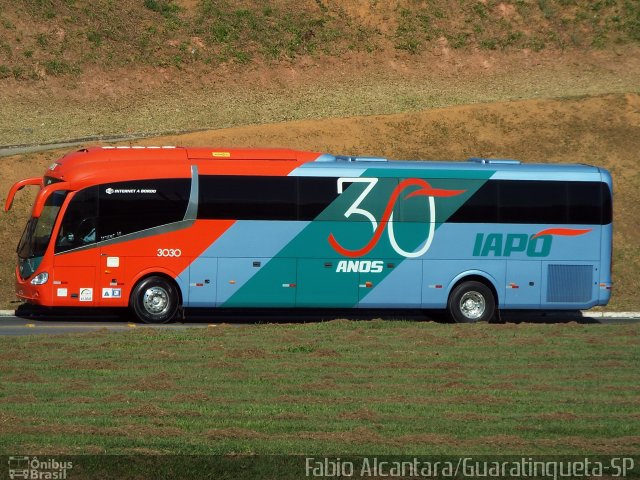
(247, 198)
(550, 202)
(127, 207)
(314, 195)
(590, 202)
(78, 227)
(481, 207)
(532, 202)
(607, 204)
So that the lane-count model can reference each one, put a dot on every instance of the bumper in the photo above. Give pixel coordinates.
(604, 293)
(34, 294)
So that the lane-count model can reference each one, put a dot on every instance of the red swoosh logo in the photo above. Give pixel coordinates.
(424, 190)
(564, 232)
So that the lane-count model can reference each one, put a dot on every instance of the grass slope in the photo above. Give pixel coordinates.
(40, 38)
(339, 387)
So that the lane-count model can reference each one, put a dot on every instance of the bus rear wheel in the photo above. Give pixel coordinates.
(154, 300)
(471, 302)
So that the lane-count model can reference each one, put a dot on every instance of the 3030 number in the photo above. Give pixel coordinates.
(169, 252)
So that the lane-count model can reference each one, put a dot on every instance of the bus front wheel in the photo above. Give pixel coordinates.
(154, 300)
(471, 302)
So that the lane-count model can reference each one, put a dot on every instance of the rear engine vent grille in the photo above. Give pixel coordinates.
(570, 283)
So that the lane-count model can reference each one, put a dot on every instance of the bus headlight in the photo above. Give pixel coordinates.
(40, 279)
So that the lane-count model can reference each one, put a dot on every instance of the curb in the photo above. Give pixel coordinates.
(7, 150)
(588, 314)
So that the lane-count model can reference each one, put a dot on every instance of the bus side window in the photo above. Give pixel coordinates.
(585, 203)
(247, 197)
(315, 194)
(533, 201)
(128, 207)
(78, 227)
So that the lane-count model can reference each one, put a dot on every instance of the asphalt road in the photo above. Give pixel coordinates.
(63, 323)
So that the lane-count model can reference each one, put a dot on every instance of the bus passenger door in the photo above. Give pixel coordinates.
(523, 284)
(76, 255)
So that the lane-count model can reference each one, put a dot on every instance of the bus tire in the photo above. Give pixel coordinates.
(471, 302)
(154, 300)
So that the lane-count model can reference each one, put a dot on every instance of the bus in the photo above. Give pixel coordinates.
(160, 229)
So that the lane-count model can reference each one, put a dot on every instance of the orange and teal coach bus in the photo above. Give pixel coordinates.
(165, 228)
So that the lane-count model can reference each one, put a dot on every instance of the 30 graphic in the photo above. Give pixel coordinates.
(424, 189)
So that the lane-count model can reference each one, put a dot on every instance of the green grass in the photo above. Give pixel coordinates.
(339, 387)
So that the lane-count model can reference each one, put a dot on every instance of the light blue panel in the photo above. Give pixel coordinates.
(439, 169)
(325, 170)
(523, 284)
(401, 287)
(233, 273)
(457, 241)
(604, 293)
(439, 276)
(271, 282)
(589, 174)
(255, 238)
(326, 157)
(202, 283)
(450, 240)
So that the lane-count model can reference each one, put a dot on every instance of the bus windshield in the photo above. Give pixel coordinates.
(37, 234)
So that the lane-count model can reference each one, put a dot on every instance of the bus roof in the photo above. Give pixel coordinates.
(110, 164)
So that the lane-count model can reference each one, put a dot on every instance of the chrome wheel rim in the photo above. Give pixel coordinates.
(472, 305)
(156, 300)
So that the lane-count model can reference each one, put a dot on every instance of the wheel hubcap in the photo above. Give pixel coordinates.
(156, 300)
(472, 305)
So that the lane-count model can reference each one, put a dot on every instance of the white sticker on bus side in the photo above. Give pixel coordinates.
(62, 292)
(113, 262)
(111, 293)
(86, 294)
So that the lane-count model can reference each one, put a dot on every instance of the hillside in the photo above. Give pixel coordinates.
(80, 69)
(49, 38)
(538, 80)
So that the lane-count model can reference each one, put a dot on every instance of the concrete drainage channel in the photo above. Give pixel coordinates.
(8, 150)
